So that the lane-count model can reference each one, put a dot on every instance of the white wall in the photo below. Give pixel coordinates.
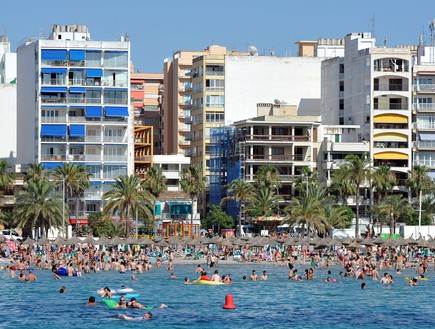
(26, 106)
(262, 79)
(8, 122)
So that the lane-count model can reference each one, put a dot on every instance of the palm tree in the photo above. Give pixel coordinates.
(428, 207)
(338, 217)
(155, 183)
(268, 176)
(308, 210)
(35, 172)
(265, 202)
(75, 179)
(419, 182)
(39, 206)
(307, 178)
(395, 206)
(7, 177)
(125, 197)
(355, 171)
(383, 180)
(193, 183)
(243, 193)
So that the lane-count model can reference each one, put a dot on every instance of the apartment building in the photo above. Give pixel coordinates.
(74, 106)
(424, 108)
(371, 87)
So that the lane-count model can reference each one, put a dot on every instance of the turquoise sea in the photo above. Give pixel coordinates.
(276, 303)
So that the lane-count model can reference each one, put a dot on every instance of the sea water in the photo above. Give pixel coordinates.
(275, 303)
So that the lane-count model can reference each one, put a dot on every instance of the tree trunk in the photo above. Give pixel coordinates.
(77, 214)
(240, 220)
(357, 212)
(391, 224)
(191, 219)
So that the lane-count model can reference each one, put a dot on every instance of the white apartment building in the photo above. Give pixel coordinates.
(424, 108)
(371, 87)
(8, 100)
(74, 106)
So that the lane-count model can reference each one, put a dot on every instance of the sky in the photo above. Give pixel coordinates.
(159, 28)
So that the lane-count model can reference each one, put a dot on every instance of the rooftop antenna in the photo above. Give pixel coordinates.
(385, 41)
(372, 26)
(432, 39)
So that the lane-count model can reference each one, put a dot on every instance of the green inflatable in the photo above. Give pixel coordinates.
(112, 304)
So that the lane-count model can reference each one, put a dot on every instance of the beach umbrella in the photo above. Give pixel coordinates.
(400, 241)
(216, 239)
(131, 241)
(175, 241)
(289, 242)
(115, 241)
(193, 242)
(29, 241)
(389, 243)
(378, 240)
(145, 240)
(102, 241)
(411, 240)
(162, 243)
(73, 241)
(186, 239)
(420, 241)
(334, 243)
(227, 244)
(42, 241)
(346, 241)
(59, 241)
(367, 242)
(244, 238)
(354, 245)
(89, 240)
(158, 238)
(314, 242)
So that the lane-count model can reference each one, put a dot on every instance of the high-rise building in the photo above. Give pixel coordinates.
(177, 99)
(74, 106)
(370, 87)
(8, 99)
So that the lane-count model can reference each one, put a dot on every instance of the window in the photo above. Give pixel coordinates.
(215, 101)
(93, 58)
(94, 170)
(214, 117)
(214, 84)
(115, 59)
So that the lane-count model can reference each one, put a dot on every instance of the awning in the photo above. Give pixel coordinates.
(390, 118)
(77, 90)
(53, 89)
(390, 156)
(96, 182)
(53, 130)
(426, 136)
(94, 73)
(390, 137)
(51, 165)
(53, 54)
(77, 130)
(77, 55)
(112, 111)
(94, 111)
(47, 70)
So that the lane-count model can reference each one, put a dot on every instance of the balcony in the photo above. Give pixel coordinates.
(183, 142)
(214, 72)
(61, 119)
(390, 145)
(278, 138)
(276, 158)
(115, 139)
(76, 157)
(93, 139)
(425, 88)
(425, 144)
(52, 157)
(121, 158)
(390, 106)
(54, 82)
(390, 87)
(53, 99)
(184, 127)
(215, 88)
(93, 195)
(93, 157)
(424, 107)
(144, 158)
(117, 101)
(77, 119)
(390, 126)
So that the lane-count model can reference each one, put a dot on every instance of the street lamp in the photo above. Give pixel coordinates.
(63, 207)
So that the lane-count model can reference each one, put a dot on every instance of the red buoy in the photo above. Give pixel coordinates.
(229, 303)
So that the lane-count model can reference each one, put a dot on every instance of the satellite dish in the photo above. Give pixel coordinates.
(252, 51)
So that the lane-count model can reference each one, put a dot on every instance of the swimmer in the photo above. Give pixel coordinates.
(31, 276)
(363, 285)
(122, 303)
(264, 276)
(105, 292)
(91, 301)
(62, 290)
(173, 275)
(187, 280)
(413, 282)
(146, 316)
(133, 277)
(135, 304)
(163, 306)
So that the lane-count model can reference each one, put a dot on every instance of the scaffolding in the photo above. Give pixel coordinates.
(225, 165)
